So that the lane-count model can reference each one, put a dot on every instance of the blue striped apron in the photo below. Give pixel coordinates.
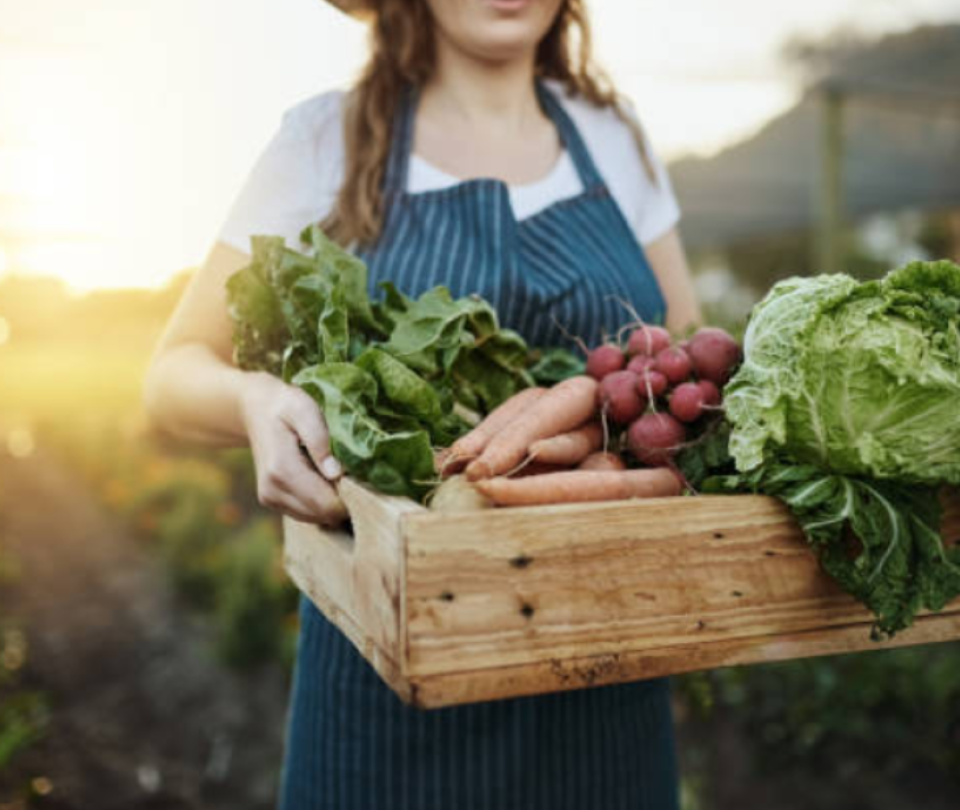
(352, 744)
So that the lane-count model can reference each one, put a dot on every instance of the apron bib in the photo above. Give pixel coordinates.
(352, 744)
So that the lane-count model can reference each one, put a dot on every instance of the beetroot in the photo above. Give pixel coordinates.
(711, 394)
(620, 398)
(605, 360)
(674, 363)
(714, 354)
(648, 341)
(686, 402)
(640, 363)
(652, 384)
(655, 437)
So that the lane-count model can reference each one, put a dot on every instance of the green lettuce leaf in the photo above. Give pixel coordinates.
(857, 379)
(399, 462)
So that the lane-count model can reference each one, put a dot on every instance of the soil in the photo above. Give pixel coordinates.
(141, 713)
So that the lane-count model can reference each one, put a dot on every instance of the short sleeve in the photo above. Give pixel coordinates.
(657, 211)
(296, 178)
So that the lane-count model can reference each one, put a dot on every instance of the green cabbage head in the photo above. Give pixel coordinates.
(859, 379)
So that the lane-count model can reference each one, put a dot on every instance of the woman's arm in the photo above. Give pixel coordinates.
(669, 263)
(193, 391)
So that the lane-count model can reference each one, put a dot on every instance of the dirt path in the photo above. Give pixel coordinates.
(142, 715)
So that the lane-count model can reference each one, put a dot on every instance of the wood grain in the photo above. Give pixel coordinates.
(501, 603)
(356, 580)
(559, 675)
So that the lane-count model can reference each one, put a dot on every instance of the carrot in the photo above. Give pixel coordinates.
(564, 407)
(472, 444)
(569, 448)
(602, 461)
(538, 468)
(581, 485)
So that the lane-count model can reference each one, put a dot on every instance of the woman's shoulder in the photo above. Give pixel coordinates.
(596, 122)
(647, 201)
(318, 117)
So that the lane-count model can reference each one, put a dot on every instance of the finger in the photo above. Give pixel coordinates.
(289, 505)
(317, 495)
(308, 425)
(303, 495)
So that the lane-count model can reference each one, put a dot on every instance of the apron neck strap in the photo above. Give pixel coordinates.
(395, 179)
(401, 144)
(570, 136)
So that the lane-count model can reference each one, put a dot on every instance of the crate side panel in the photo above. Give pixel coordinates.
(511, 587)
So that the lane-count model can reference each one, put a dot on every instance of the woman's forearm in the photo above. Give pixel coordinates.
(194, 395)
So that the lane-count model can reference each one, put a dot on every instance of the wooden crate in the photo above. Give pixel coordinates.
(453, 609)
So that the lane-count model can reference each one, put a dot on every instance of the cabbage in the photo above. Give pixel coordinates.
(858, 379)
(847, 409)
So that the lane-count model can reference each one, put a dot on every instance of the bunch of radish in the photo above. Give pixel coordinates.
(596, 436)
(660, 392)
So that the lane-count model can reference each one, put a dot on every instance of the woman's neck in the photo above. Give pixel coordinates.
(483, 119)
(477, 92)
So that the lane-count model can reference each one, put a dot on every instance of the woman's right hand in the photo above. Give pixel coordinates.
(280, 419)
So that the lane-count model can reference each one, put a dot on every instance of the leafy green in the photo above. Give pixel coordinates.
(859, 379)
(551, 366)
(386, 373)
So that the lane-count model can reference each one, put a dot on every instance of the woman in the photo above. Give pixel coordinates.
(480, 152)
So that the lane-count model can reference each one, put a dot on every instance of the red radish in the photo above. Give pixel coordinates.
(714, 354)
(619, 397)
(652, 384)
(648, 340)
(640, 363)
(686, 402)
(602, 461)
(711, 394)
(605, 360)
(655, 437)
(674, 363)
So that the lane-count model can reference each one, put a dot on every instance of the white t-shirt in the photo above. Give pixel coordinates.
(298, 175)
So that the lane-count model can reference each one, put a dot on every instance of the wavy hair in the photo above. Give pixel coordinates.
(403, 53)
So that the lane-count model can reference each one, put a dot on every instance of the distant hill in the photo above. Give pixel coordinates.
(902, 142)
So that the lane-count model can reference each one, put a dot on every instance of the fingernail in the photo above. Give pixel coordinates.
(331, 468)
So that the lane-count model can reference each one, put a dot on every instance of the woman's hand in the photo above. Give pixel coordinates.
(280, 420)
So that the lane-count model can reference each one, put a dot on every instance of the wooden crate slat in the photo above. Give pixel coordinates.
(581, 672)
(485, 605)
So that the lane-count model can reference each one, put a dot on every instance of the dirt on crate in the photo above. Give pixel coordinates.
(142, 715)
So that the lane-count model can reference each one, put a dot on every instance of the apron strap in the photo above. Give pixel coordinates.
(401, 142)
(572, 139)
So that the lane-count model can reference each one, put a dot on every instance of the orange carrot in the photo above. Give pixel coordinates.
(569, 448)
(581, 485)
(602, 461)
(537, 468)
(472, 444)
(564, 407)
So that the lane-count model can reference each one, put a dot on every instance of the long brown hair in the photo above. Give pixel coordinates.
(402, 52)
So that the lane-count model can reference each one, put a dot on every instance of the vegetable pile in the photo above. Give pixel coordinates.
(386, 373)
(847, 408)
(637, 406)
(844, 403)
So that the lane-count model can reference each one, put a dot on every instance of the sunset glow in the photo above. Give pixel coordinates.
(126, 129)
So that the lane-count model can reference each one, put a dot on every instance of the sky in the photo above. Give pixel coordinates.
(127, 127)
